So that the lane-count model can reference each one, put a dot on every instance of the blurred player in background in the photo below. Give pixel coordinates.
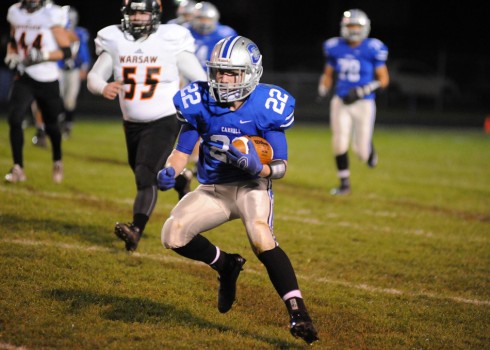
(145, 58)
(359, 66)
(185, 12)
(38, 40)
(207, 30)
(74, 71)
(234, 185)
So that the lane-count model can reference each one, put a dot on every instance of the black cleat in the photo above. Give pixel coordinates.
(39, 139)
(373, 158)
(129, 233)
(227, 283)
(302, 327)
(66, 129)
(183, 183)
(340, 191)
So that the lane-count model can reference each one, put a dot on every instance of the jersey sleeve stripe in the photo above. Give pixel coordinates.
(289, 119)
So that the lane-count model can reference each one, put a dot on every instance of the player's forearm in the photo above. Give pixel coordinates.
(190, 67)
(324, 84)
(177, 160)
(99, 74)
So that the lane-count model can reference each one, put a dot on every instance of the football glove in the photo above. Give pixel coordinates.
(166, 178)
(36, 56)
(12, 60)
(359, 92)
(247, 162)
(322, 91)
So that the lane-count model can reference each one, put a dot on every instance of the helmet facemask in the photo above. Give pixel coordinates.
(243, 85)
(240, 58)
(32, 5)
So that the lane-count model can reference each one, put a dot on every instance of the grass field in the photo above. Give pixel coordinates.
(401, 263)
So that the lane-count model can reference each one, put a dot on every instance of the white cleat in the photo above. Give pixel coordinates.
(58, 172)
(16, 174)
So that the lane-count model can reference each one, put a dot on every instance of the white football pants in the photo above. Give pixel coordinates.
(356, 120)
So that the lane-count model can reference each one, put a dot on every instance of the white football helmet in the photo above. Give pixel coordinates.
(206, 17)
(355, 17)
(185, 11)
(73, 18)
(240, 55)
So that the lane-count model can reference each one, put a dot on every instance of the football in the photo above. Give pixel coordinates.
(263, 148)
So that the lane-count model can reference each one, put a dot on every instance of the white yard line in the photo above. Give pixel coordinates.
(4, 346)
(173, 259)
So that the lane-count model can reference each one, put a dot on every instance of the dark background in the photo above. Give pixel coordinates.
(450, 37)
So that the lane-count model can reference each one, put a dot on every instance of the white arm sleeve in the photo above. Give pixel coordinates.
(99, 74)
(190, 67)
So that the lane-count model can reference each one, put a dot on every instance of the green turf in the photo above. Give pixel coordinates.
(401, 263)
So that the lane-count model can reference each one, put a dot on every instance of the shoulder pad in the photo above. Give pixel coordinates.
(379, 49)
(278, 111)
(58, 16)
(187, 101)
(226, 30)
(332, 42)
(105, 36)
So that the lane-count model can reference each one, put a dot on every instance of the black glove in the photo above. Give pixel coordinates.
(359, 92)
(353, 95)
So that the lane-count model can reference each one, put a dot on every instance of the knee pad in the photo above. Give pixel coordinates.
(262, 238)
(144, 177)
(171, 235)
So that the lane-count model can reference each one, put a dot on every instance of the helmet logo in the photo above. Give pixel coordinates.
(138, 6)
(254, 52)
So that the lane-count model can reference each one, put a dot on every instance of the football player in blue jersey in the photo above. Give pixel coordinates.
(233, 185)
(185, 12)
(74, 71)
(207, 30)
(359, 65)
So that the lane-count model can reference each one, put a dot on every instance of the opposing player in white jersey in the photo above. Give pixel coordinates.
(234, 185)
(145, 58)
(359, 64)
(38, 40)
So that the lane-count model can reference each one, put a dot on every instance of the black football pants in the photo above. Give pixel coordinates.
(47, 95)
(149, 145)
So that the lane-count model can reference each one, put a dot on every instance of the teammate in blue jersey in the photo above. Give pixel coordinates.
(207, 30)
(185, 12)
(234, 185)
(74, 71)
(359, 66)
